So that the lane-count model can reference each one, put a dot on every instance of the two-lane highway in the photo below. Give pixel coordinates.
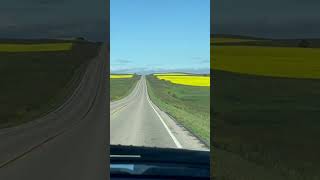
(68, 143)
(71, 142)
(135, 120)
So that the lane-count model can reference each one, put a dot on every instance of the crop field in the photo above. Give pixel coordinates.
(34, 83)
(267, 61)
(189, 105)
(39, 47)
(170, 74)
(122, 85)
(266, 111)
(190, 80)
(120, 76)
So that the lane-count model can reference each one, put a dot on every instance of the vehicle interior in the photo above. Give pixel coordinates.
(132, 162)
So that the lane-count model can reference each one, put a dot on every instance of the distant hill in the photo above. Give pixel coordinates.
(259, 38)
(32, 41)
(236, 36)
(259, 41)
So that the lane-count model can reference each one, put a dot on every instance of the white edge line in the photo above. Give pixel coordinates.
(164, 124)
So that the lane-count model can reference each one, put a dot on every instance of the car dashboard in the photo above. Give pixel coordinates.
(133, 163)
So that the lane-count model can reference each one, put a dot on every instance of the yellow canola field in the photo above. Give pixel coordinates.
(42, 47)
(187, 80)
(120, 76)
(170, 74)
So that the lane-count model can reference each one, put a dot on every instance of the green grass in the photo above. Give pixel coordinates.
(120, 88)
(265, 109)
(267, 61)
(39, 47)
(189, 105)
(34, 83)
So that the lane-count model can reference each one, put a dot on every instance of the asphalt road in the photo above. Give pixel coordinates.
(68, 143)
(135, 120)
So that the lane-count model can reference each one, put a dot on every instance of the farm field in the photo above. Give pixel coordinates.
(268, 61)
(188, 105)
(121, 76)
(121, 85)
(170, 74)
(35, 82)
(38, 47)
(190, 80)
(275, 127)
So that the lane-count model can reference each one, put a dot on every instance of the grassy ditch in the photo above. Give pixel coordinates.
(189, 105)
(121, 87)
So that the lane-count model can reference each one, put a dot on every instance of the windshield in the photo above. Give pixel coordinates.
(160, 73)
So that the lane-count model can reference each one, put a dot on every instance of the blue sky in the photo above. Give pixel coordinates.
(159, 35)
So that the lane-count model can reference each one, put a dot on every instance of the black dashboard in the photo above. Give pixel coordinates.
(133, 163)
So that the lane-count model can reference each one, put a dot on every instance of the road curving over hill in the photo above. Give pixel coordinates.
(135, 120)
